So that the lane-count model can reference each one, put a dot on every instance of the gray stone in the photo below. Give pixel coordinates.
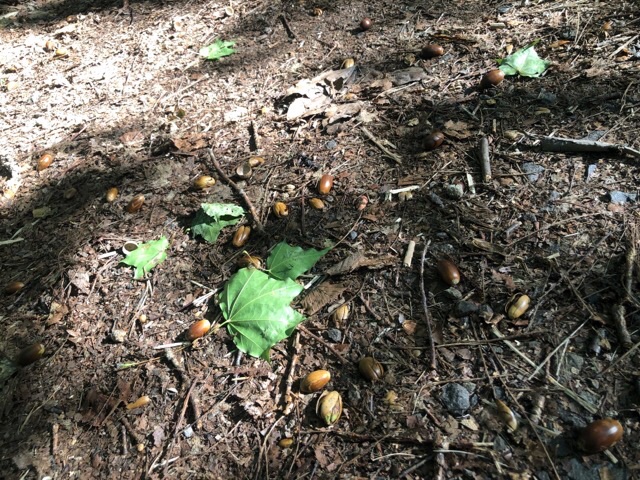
(456, 399)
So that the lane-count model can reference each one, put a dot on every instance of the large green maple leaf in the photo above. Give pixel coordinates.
(257, 310)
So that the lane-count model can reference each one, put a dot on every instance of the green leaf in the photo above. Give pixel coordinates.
(257, 310)
(525, 62)
(213, 217)
(286, 261)
(147, 256)
(217, 50)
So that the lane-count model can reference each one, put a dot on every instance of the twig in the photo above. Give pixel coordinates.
(286, 26)
(408, 257)
(553, 352)
(485, 161)
(586, 405)
(385, 150)
(318, 339)
(427, 317)
(621, 326)
(256, 220)
(625, 355)
(291, 374)
(569, 145)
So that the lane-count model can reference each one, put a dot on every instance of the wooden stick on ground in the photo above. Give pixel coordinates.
(427, 317)
(256, 219)
(570, 145)
(385, 150)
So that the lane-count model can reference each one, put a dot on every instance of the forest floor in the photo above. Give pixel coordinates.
(120, 98)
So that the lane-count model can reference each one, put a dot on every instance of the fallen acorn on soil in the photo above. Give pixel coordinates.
(45, 160)
(244, 171)
(140, 402)
(198, 329)
(135, 204)
(316, 204)
(517, 306)
(492, 78)
(315, 381)
(432, 50)
(600, 435)
(325, 184)
(371, 369)
(434, 140)
(249, 261)
(13, 287)
(241, 237)
(30, 354)
(365, 24)
(285, 443)
(329, 407)
(111, 195)
(341, 313)
(448, 272)
(506, 415)
(280, 209)
(203, 182)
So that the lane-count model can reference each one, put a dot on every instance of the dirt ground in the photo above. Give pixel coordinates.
(121, 98)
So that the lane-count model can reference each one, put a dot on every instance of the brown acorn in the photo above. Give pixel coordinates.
(198, 329)
(45, 160)
(203, 182)
(135, 204)
(492, 78)
(241, 237)
(111, 195)
(365, 24)
(314, 381)
(371, 369)
(30, 354)
(249, 261)
(433, 140)
(341, 313)
(329, 407)
(600, 435)
(506, 415)
(517, 306)
(255, 161)
(316, 204)
(285, 443)
(280, 209)
(139, 403)
(448, 272)
(13, 287)
(432, 50)
(325, 184)
(361, 202)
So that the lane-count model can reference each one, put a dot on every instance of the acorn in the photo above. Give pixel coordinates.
(140, 402)
(30, 354)
(135, 204)
(433, 140)
(45, 161)
(285, 443)
(365, 24)
(600, 435)
(506, 415)
(249, 261)
(329, 407)
(111, 195)
(432, 50)
(517, 306)
(255, 161)
(13, 287)
(316, 204)
(491, 78)
(241, 236)
(448, 272)
(325, 184)
(361, 202)
(49, 46)
(244, 171)
(371, 369)
(203, 182)
(348, 63)
(280, 209)
(341, 313)
(314, 381)
(198, 329)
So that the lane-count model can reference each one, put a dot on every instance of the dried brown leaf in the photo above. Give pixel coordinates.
(321, 296)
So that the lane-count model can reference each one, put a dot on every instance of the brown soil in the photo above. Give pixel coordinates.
(130, 104)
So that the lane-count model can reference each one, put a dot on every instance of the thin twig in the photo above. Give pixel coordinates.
(425, 307)
(256, 219)
(385, 150)
(291, 374)
(318, 339)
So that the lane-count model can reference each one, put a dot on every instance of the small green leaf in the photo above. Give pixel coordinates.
(213, 217)
(257, 310)
(286, 261)
(147, 256)
(525, 62)
(217, 50)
